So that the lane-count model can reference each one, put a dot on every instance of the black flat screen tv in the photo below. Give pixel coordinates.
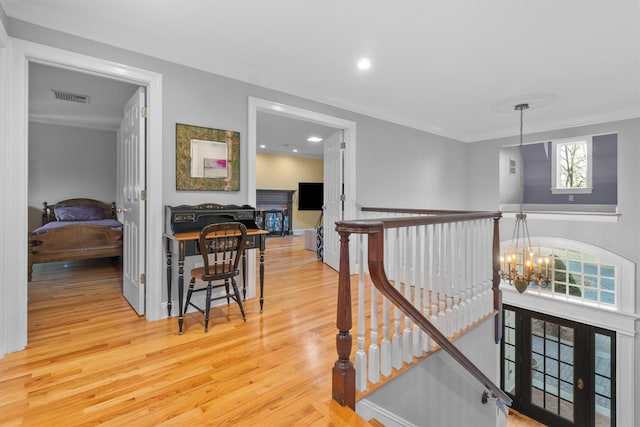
(310, 196)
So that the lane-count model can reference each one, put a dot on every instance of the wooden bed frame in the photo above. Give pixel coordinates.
(76, 241)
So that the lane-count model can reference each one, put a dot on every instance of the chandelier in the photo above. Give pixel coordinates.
(520, 266)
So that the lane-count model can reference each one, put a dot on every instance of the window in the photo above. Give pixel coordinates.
(579, 276)
(571, 165)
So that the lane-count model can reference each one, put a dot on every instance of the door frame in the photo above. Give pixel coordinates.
(348, 126)
(583, 363)
(21, 53)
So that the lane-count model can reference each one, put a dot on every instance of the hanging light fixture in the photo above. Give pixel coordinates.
(520, 266)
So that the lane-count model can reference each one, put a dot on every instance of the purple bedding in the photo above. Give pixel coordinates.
(112, 223)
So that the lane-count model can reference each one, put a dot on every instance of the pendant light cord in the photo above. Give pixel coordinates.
(521, 107)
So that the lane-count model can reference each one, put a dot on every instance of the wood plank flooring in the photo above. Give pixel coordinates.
(91, 360)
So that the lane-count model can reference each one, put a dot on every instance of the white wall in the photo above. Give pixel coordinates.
(66, 162)
(438, 392)
(427, 167)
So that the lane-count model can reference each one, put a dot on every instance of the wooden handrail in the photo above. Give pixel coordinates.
(413, 211)
(344, 372)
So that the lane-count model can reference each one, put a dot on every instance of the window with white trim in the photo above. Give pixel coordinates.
(571, 166)
(581, 276)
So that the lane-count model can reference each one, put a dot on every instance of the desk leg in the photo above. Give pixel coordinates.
(168, 241)
(262, 245)
(180, 285)
(244, 275)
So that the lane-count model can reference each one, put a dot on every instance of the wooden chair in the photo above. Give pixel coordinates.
(221, 246)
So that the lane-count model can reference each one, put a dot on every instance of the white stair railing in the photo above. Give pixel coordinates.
(445, 270)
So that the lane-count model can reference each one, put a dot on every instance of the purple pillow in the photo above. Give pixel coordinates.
(79, 213)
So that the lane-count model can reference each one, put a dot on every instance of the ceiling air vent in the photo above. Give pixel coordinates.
(72, 97)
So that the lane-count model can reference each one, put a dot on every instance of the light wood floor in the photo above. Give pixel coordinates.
(91, 360)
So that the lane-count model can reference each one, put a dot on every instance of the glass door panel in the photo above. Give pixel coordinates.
(509, 353)
(602, 379)
(552, 367)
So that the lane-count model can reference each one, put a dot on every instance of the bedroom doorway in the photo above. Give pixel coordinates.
(75, 117)
(21, 53)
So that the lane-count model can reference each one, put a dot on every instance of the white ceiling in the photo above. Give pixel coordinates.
(451, 67)
(104, 111)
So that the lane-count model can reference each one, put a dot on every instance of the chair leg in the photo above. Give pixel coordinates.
(188, 299)
(226, 287)
(238, 299)
(207, 308)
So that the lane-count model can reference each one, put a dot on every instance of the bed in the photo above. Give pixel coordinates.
(75, 229)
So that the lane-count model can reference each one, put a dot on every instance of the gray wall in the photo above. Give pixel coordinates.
(428, 168)
(537, 174)
(66, 162)
(621, 237)
(438, 392)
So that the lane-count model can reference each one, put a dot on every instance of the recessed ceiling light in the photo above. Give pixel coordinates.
(295, 150)
(364, 64)
(263, 146)
(314, 139)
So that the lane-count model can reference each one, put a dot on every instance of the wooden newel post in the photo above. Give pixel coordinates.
(344, 374)
(497, 292)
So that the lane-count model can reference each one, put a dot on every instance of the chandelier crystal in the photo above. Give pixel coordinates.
(520, 266)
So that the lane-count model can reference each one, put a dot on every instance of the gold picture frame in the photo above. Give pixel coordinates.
(207, 159)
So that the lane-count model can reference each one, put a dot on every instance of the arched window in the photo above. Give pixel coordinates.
(585, 274)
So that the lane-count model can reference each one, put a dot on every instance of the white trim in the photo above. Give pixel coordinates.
(18, 167)
(9, 325)
(625, 275)
(369, 410)
(349, 127)
(510, 211)
(623, 321)
(555, 173)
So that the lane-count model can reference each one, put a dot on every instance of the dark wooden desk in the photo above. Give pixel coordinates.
(188, 246)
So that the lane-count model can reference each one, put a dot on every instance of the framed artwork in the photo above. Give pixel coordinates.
(207, 159)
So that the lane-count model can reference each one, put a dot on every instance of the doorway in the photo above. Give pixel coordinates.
(15, 301)
(347, 171)
(559, 372)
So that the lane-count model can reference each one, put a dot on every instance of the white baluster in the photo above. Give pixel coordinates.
(489, 298)
(396, 341)
(374, 350)
(442, 316)
(455, 327)
(361, 356)
(385, 345)
(407, 335)
(435, 322)
(462, 315)
(428, 281)
(470, 306)
(418, 289)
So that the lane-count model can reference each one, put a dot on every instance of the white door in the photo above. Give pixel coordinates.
(131, 199)
(333, 205)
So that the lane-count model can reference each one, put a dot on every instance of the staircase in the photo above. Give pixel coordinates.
(425, 279)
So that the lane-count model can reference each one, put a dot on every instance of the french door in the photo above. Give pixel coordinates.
(558, 372)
